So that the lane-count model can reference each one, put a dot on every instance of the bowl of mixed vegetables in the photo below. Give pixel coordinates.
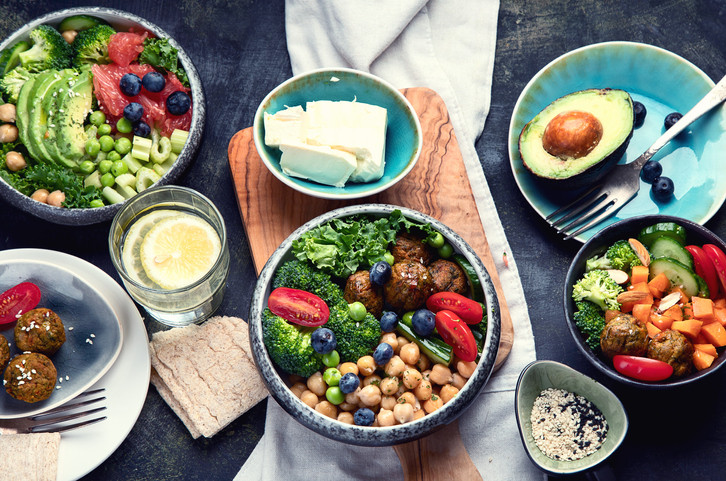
(374, 325)
(645, 301)
(96, 105)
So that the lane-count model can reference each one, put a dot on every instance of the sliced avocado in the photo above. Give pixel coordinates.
(73, 107)
(35, 96)
(22, 114)
(48, 106)
(39, 113)
(578, 138)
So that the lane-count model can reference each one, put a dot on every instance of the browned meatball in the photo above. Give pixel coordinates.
(30, 377)
(624, 335)
(448, 276)
(674, 348)
(40, 330)
(359, 288)
(409, 286)
(4, 352)
(411, 248)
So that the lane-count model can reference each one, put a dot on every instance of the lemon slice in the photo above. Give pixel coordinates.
(179, 250)
(131, 251)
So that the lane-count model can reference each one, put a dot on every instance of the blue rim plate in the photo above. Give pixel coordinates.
(664, 83)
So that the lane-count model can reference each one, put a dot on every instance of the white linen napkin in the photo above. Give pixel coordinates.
(448, 46)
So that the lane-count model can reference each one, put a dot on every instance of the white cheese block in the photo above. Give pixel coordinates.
(284, 127)
(317, 163)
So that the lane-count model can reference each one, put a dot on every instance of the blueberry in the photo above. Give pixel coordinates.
(133, 111)
(651, 170)
(363, 417)
(348, 383)
(178, 103)
(423, 322)
(383, 354)
(662, 189)
(130, 84)
(640, 111)
(142, 129)
(153, 82)
(323, 340)
(671, 119)
(380, 273)
(389, 321)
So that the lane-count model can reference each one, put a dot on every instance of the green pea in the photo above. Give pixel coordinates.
(86, 167)
(331, 359)
(93, 147)
(357, 311)
(107, 179)
(437, 241)
(408, 317)
(96, 203)
(106, 142)
(104, 166)
(446, 250)
(113, 156)
(332, 376)
(124, 125)
(97, 118)
(104, 129)
(123, 145)
(334, 395)
(388, 257)
(119, 168)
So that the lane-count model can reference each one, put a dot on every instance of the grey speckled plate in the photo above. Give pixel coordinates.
(80, 307)
(121, 20)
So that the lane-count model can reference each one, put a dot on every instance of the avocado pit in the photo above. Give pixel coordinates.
(572, 134)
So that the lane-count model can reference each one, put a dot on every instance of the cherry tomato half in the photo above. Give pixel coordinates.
(704, 268)
(299, 307)
(642, 368)
(718, 258)
(17, 300)
(456, 334)
(467, 309)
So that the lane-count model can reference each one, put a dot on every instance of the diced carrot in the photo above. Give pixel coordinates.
(659, 285)
(702, 308)
(652, 330)
(687, 311)
(700, 339)
(674, 312)
(707, 348)
(642, 312)
(720, 315)
(715, 333)
(689, 328)
(720, 303)
(639, 274)
(610, 314)
(660, 321)
(679, 289)
(702, 360)
(642, 287)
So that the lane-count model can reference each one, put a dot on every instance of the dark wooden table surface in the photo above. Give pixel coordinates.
(240, 52)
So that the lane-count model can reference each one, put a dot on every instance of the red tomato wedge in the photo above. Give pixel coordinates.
(642, 368)
(467, 309)
(704, 268)
(299, 307)
(718, 259)
(456, 333)
(17, 300)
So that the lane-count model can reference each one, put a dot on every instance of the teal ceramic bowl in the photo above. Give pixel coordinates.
(664, 83)
(541, 375)
(403, 135)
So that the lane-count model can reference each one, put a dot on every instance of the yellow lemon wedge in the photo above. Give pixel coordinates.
(179, 250)
(131, 250)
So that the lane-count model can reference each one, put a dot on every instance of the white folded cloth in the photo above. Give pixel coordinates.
(448, 46)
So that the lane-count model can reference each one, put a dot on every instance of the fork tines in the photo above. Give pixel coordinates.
(52, 420)
(594, 203)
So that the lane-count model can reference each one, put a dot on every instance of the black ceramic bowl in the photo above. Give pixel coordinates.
(360, 435)
(597, 245)
(120, 20)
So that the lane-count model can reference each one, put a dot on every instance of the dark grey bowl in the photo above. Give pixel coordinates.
(597, 245)
(116, 18)
(359, 435)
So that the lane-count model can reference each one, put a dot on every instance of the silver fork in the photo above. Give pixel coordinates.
(53, 421)
(622, 183)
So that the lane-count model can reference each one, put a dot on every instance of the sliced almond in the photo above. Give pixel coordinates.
(669, 301)
(631, 296)
(641, 251)
(618, 276)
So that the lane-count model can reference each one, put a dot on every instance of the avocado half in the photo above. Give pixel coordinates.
(578, 138)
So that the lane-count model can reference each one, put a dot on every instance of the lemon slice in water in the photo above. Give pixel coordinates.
(131, 251)
(179, 250)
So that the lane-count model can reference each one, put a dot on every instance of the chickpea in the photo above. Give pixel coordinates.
(423, 364)
(385, 417)
(326, 408)
(15, 161)
(440, 375)
(366, 365)
(298, 388)
(407, 398)
(410, 353)
(389, 385)
(309, 398)
(8, 133)
(372, 379)
(347, 367)
(69, 35)
(411, 378)
(458, 381)
(387, 402)
(423, 391)
(56, 198)
(448, 392)
(316, 384)
(418, 414)
(370, 395)
(7, 112)
(390, 339)
(426, 374)
(403, 413)
(433, 404)
(402, 341)
(395, 366)
(347, 407)
(352, 398)
(466, 369)
(41, 195)
(345, 417)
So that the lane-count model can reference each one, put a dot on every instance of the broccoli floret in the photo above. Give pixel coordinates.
(49, 51)
(620, 256)
(590, 321)
(597, 286)
(289, 345)
(355, 338)
(298, 274)
(12, 82)
(91, 46)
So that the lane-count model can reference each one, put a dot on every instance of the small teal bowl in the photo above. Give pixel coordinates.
(403, 136)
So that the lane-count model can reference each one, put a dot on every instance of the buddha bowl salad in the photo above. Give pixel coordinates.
(90, 116)
(377, 320)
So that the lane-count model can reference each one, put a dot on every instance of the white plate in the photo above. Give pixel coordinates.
(126, 382)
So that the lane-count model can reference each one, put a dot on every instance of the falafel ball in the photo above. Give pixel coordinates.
(30, 377)
(409, 287)
(674, 348)
(4, 352)
(40, 330)
(448, 276)
(624, 335)
(359, 288)
(409, 247)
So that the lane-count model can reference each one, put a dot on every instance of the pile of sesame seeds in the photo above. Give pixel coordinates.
(566, 426)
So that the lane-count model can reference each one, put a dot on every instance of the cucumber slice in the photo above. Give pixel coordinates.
(666, 246)
(677, 273)
(477, 293)
(649, 234)
(703, 290)
(80, 22)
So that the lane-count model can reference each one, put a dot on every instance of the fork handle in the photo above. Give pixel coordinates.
(712, 99)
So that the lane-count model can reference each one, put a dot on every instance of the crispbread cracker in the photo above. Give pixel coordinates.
(30, 457)
(206, 374)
